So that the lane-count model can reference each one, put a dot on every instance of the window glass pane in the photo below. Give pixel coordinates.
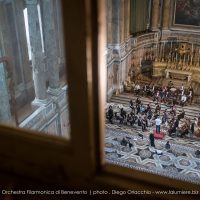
(153, 96)
(33, 83)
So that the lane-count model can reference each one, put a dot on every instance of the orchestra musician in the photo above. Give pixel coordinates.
(197, 132)
(137, 89)
(110, 114)
(183, 100)
(184, 129)
(170, 84)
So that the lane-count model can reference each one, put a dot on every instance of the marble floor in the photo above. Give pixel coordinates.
(179, 162)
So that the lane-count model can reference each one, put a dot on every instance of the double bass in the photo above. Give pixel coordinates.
(197, 132)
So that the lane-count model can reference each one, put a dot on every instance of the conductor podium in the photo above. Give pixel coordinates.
(158, 135)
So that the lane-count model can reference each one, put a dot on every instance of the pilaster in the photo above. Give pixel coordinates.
(116, 21)
(122, 20)
(109, 10)
(166, 14)
(155, 15)
(59, 33)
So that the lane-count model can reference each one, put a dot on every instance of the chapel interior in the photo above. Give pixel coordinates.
(153, 72)
(152, 50)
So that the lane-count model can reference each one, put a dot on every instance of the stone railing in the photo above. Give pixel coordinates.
(48, 114)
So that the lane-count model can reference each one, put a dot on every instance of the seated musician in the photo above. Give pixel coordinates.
(138, 101)
(152, 90)
(142, 108)
(181, 115)
(134, 117)
(110, 114)
(174, 100)
(164, 117)
(143, 122)
(197, 153)
(197, 132)
(157, 96)
(148, 91)
(192, 125)
(166, 96)
(123, 113)
(149, 114)
(170, 84)
(130, 119)
(137, 89)
(158, 108)
(184, 130)
(119, 117)
(172, 129)
(147, 108)
(131, 105)
(133, 86)
(176, 122)
(156, 114)
(173, 110)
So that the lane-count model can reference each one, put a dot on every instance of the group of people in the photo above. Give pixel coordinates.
(166, 94)
(146, 116)
(126, 142)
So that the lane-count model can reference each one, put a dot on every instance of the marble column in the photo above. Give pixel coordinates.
(60, 34)
(155, 15)
(5, 112)
(26, 90)
(51, 48)
(38, 57)
(126, 19)
(166, 14)
(118, 38)
(160, 21)
(128, 16)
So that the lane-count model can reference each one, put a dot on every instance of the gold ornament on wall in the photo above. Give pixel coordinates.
(183, 49)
